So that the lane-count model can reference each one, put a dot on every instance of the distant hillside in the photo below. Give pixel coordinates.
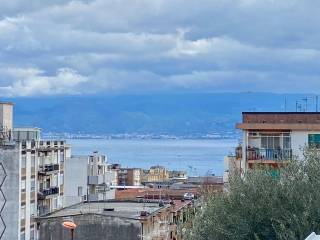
(176, 114)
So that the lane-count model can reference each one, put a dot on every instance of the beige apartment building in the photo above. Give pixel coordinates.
(155, 174)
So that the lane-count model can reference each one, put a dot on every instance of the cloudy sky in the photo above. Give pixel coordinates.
(52, 47)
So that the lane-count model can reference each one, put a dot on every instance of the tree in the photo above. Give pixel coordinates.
(261, 205)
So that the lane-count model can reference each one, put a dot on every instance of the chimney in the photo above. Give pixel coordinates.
(6, 116)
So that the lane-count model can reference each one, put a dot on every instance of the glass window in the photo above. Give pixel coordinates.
(286, 142)
(23, 212)
(314, 140)
(79, 191)
(23, 185)
(33, 184)
(61, 179)
(23, 160)
(33, 208)
(61, 156)
(32, 237)
(264, 142)
(55, 203)
(55, 180)
(276, 142)
(22, 236)
(33, 161)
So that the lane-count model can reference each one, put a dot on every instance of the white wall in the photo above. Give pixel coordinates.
(75, 175)
(299, 139)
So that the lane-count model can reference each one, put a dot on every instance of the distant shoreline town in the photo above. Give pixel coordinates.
(133, 136)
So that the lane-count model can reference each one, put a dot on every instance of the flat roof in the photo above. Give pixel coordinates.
(278, 126)
(281, 113)
(26, 129)
(7, 103)
(122, 209)
(309, 121)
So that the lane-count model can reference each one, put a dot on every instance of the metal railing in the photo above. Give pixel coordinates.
(269, 154)
(46, 192)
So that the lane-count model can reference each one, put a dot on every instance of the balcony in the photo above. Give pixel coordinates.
(48, 168)
(47, 192)
(268, 154)
(96, 180)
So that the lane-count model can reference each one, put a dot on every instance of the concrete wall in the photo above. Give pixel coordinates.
(6, 115)
(93, 227)
(10, 158)
(75, 175)
(299, 139)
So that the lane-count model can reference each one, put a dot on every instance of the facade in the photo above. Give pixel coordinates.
(155, 174)
(126, 220)
(88, 178)
(129, 177)
(271, 138)
(31, 177)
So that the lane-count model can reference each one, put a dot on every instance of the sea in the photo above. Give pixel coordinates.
(196, 157)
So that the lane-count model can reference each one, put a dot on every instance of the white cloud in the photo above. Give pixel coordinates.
(60, 46)
(32, 81)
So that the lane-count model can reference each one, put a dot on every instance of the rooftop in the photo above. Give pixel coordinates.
(280, 120)
(121, 209)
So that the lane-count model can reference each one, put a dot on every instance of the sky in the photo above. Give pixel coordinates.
(54, 47)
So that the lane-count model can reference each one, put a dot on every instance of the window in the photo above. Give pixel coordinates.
(33, 208)
(22, 236)
(61, 179)
(61, 156)
(33, 161)
(23, 185)
(33, 184)
(23, 212)
(23, 160)
(314, 140)
(79, 191)
(55, 180)
(55, 203)
(32, 237)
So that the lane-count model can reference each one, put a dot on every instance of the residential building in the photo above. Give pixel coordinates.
(31, 177)
(178, 176)
(271, 138)
(129, 177)
(88, 178)
(125, 220)
(155, 174)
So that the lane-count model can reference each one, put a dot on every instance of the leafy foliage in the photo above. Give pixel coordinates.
(262, 206)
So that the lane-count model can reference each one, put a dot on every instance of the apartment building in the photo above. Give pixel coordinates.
(155, 174)
(88, 178)
(32, 177)
(129, 177)
(270, 138)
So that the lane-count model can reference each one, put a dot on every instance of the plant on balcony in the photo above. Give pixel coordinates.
(261, 206)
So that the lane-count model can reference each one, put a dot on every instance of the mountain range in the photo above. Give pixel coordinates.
(179, 114)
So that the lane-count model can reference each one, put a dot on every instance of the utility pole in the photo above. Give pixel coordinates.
(285, 104)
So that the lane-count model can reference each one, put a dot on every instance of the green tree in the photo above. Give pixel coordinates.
(262, 205)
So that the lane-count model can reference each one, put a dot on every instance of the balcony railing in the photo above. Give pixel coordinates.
(269, 154)
(49, 168)
(47, 192)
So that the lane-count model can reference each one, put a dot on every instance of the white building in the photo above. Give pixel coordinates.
(88, 178)
(272, 137)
